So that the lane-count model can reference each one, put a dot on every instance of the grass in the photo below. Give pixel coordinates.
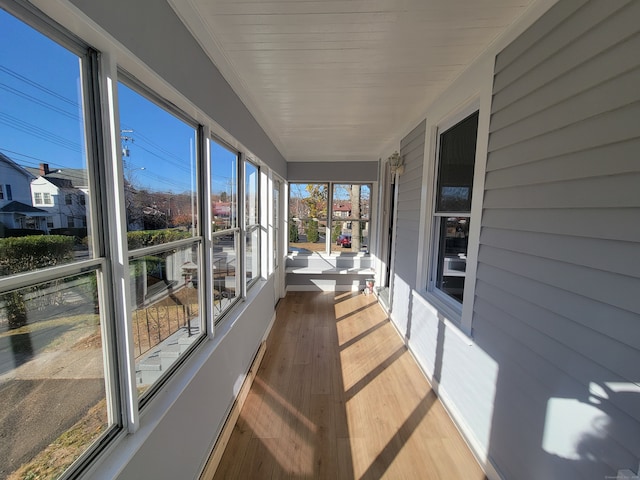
(61, 453)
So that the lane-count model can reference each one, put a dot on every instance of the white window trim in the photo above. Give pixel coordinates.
(459, 314)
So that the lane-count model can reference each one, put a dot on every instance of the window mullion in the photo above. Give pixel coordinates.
(115, 219)
(243, 225)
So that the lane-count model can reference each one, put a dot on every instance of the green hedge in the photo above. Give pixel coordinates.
(148, 238)
(21, 254)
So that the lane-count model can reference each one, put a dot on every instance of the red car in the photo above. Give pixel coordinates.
(344, 241)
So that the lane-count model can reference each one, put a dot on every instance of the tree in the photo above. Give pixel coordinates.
(293, 232)
(312, 231)
(316, 201)
(355, 213)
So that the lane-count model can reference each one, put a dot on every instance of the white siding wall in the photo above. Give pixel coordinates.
(559, 261)
(408, 225)
(548, 385)
(20, 191)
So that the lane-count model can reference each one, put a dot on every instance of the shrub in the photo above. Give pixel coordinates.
(147, 238)
(293, 232)
(20, 232)
(20, 254)
(312, 231)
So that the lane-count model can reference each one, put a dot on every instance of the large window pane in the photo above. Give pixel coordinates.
(456, 166)
(166, 310)
(225, 261)
(251, 193)
(224, 187)
(159, 152)
(52, 377)
(43, 160)
(253, 254)
(350, 210)
(452, 255)
(307, 217)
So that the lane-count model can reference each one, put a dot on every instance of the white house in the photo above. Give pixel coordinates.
(16, 209)
(61, 193)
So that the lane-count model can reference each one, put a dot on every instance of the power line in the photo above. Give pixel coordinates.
(33, 99)
(35, 131)
(37, 85)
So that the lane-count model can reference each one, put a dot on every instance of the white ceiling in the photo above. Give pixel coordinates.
(332, 80)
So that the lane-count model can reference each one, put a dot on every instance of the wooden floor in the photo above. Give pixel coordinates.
(338, 396)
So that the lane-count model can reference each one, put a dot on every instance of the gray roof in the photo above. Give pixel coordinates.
(65, 178)
(19, 207)
(14, 165)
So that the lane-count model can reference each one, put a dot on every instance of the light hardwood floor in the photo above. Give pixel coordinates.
(338, 396)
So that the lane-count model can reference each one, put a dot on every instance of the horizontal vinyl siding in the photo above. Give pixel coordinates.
(558, 277)
(408, 206)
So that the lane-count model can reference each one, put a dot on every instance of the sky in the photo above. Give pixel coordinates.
(39, 99)
(41, 118)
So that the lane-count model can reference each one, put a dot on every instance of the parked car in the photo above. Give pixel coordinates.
(344, 241)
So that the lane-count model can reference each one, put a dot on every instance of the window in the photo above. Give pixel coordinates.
(344, 229)
(350, 207)
(56, 378)
(252, 222)
(160, 192)
(225, 228)
(452, 212)
(276, 222)
(63, 358)
(308, 217)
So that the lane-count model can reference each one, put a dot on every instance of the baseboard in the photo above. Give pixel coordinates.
(221, 444)
(487, 465)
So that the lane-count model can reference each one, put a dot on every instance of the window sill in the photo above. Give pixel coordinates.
(330, 271)
(449, 312)
(328, 255)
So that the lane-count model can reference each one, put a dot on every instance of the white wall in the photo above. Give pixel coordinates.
(19, 185)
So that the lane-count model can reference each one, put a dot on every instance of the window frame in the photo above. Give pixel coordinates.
(249, 229)
(235, 230)
(100, 263)
(452, 309)
(195, 241)
(329, 219)
(111, 255)
(332, 217)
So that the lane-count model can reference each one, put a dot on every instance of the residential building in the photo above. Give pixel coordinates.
(61, 193)
(16, 210)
